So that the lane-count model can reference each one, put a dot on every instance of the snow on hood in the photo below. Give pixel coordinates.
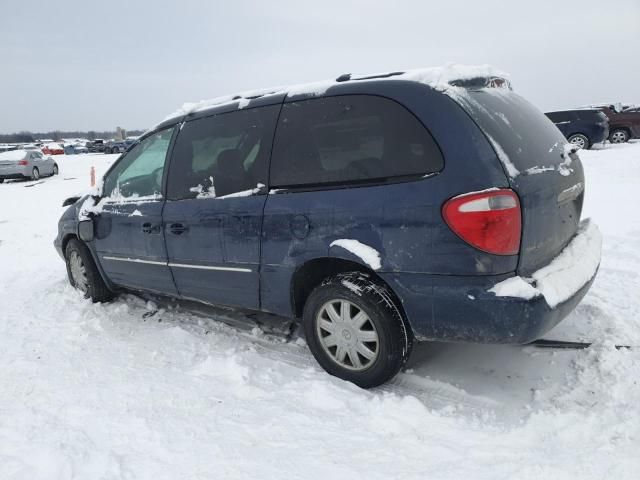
(13, 155)
(439, 78)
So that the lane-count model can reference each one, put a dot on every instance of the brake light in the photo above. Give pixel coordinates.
(22, 162)
(489, 221)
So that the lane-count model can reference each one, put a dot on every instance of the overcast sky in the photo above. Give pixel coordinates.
(77, 65)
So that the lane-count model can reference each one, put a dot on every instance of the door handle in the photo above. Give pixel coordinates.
(178, 228)
(150, 228)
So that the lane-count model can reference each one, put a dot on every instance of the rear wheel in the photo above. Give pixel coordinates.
(1, 180)
(580, 141)
(618, 136)
(55, 169)
(35, 173)
(355, 330)
(83, 273)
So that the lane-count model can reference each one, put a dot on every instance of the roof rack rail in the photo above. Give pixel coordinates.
(345, 77)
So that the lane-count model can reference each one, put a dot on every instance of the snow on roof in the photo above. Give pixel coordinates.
(13, 155)
(53, 145)
(439, 78)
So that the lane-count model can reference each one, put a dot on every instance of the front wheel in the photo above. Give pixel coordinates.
(618, 136)
(580, 141)
(355, 330)
(83, 273)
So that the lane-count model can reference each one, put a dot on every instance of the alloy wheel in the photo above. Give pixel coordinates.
(578, 141)
(618, 137)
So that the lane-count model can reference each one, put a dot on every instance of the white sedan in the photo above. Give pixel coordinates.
(26, 164)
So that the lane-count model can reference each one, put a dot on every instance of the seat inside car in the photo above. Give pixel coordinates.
(232, 176)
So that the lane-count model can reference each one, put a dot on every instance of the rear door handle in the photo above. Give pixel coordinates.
(151, 228)
(178, 228)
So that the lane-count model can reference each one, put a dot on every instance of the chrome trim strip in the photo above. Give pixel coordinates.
(179, 265)
(134, 260)
(208, 267)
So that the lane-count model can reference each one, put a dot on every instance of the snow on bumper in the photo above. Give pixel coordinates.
(565, 275)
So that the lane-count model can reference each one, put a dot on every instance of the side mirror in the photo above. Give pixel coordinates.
(85, 230)
(70, 201)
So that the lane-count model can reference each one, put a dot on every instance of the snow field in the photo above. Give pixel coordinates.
(116, 392)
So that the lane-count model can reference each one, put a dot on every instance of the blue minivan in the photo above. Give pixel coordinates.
(377, 210)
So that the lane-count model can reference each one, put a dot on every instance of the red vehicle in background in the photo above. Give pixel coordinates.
(52, 149)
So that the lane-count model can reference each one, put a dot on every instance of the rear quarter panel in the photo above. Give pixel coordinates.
(401, 221)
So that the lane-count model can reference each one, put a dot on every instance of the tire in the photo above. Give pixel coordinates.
(1, 180)
(55, 169)
(580, 141)
(619, 135)
(35, 174)
(83, 273)
(351, 295)
(107, 151)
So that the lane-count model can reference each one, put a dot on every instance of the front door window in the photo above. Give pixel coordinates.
(139, 173)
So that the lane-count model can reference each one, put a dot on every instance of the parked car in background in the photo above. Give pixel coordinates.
(581, 127)
(75, 148)
(378, 210)
(96, 146)
(118, 146)
(53, 149)
(26, 164)
(624, 121)
(4, 147)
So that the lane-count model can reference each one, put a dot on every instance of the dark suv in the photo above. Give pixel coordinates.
(582, 127)
(378, 210)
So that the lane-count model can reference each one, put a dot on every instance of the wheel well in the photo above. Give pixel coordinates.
(65, 241)
(312, 273)
(626, 129)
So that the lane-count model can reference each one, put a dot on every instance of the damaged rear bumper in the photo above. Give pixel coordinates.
(504, 308)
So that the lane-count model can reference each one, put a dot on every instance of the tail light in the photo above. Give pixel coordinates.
(23, 162)
(489, 221)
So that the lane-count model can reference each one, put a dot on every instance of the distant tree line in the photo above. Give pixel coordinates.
(29, 137)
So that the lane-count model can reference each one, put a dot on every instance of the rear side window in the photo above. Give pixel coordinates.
(557, 117)
(347, 139)
(222, 154)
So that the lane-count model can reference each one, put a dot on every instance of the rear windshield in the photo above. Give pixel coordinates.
(523, 132)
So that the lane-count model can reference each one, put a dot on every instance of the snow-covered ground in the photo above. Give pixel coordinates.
(110, 392)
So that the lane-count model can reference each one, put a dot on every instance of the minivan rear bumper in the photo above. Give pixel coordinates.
(467, 308)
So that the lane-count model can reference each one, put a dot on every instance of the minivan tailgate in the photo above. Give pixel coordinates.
(551, 206)
(542, 168)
